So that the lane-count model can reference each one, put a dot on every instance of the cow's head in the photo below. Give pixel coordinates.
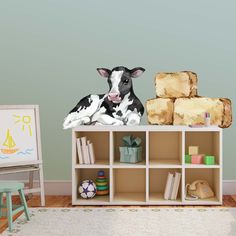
(120, 81)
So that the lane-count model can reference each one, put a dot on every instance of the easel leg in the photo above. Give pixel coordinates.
(1, 203)
(41, 181)
(31, 182)
(9, 211)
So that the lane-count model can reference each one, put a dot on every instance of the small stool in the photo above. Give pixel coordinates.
(8, 188)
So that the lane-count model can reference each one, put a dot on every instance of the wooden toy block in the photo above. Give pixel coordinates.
(197, 159)
(209, 160)
(193, 150)
(187, 158)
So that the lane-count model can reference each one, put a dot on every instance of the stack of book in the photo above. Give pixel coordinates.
(85, 151)
(172, 186)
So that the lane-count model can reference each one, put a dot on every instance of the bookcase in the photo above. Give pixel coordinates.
(163, 151)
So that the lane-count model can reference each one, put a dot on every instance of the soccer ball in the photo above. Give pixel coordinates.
(87, 189)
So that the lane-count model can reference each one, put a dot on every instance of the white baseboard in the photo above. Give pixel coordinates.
(58, 187)
(229, 187)
(62, 187)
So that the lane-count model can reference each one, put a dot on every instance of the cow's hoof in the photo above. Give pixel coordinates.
(118, 122)
(85, 120)
(132, 122)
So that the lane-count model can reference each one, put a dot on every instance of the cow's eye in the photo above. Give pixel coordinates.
(126, 81)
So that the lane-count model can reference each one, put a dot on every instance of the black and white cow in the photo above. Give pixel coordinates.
(119, 106)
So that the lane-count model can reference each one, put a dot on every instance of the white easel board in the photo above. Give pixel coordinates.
(19, 133)
(20, 143)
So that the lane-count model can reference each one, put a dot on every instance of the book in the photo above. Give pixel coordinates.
(176, 183)
(88, 152)
(91, 153)
(88, 155)
(85, 150)
(168, 187)
(79, 151)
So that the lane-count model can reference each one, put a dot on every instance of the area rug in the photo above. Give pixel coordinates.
(126, 221)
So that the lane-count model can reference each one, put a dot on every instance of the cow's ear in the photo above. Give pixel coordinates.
(136, 72)
(104, 72)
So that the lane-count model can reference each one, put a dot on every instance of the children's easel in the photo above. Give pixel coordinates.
(20, 144)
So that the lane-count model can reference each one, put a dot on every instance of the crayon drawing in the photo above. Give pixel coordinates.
(26, 121)
(9, 144)
(18, 141)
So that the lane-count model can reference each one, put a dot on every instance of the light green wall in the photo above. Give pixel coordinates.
(49, 51)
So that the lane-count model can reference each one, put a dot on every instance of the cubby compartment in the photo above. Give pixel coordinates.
(165, 148)
(129, 186)
(100, 142)
(157, 184)
(90, 174)
(118, 142)
(212, 176)
(208, 144)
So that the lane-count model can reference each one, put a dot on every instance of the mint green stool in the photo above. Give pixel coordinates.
(8, 188)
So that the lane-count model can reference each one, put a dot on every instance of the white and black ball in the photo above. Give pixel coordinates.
(87, 189)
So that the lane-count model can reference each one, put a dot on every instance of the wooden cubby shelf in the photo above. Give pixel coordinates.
(88, 173)
(157, 182)
(163, 151)
(117, 142)
(129, 185)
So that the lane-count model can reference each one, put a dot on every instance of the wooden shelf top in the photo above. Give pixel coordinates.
(167, 163)
(201, 166)
(98, 164)
(159, 197)
(129, 197)
(93, 201)
(143, 128)
(118, 164)
(208, 201)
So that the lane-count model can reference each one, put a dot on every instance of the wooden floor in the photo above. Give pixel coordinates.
(65, 201)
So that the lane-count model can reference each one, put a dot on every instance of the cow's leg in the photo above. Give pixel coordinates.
(75, 122)
(105, 119)
(133, 118)
(83, 111)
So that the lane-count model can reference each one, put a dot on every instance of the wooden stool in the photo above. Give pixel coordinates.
(8, 188)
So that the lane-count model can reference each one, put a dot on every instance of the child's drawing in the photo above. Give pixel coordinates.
(18, 141)
(25, 120)
(10, 144)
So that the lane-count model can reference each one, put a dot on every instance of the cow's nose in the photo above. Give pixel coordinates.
(114, 95)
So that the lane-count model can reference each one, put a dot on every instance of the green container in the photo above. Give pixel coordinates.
(209, 160)
(130, 154)
(187, 158)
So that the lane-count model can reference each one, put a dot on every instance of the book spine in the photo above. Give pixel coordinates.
(88, 152)
(168, 186)
(85, 150)
(176, 186)
(79, 151)
(91, 153)
(171, 186)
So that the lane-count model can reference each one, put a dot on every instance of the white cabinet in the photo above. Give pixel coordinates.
(163, 151)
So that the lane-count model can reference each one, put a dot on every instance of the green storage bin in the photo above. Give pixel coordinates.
(130, 154)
